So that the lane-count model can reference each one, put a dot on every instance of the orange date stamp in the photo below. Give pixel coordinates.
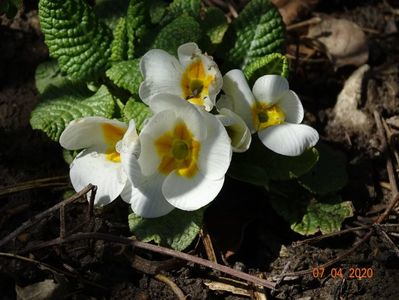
(341, 273)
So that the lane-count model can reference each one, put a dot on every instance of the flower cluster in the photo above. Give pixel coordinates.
(180, 157)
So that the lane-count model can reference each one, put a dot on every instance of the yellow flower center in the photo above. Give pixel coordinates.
(195, 83)
(264, 115)
(112, 135)
(178, 151)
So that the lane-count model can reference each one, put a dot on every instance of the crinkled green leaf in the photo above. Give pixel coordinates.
(157, 10)
(258, 31)
(137, 111)
(214, 25)
(274, 63)
(179, 7)
(309, 216)
(329, 174)
(258, 164)
(75, 37)
(110, 11)
(119, 43)
(49, 74)
(182, 30)
(60, 106)
(177, 229)
(137, 25)
(126, 74)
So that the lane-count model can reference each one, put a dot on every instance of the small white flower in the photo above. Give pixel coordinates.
(100, 161)
(194, 76)
(184, 155)
(271, 109)
(236, 128)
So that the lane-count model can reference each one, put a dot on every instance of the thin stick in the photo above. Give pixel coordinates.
(157, 249)
(387, 240)
(385, 148)
(173, 286)
(312, 21)
(41, 215)
(51, 268)
(318, 238)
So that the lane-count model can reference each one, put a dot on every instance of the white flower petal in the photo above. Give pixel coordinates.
(149, 159)
(190, 193)
(237, 90)
(187, 52)
(292, 107)
(269, 88)
(225, 102)
(147, 199)
(181, 110)
(162, 74)
(215, 154)
(87, 132)
(129, 149)
(92, 167)
(161, 102)
(237, 129)
(289, 139)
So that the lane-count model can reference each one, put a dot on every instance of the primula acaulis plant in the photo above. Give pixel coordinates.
(152, 103)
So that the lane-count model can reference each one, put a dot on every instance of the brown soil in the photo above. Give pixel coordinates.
(241, 223)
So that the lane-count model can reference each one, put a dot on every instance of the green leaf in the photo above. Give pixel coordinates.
(137, 25)
(176, 230)
(137, 111)
(60, 106)
(309, 216)
(258, 164)
(274, 63)
(214, 25)
(110, 11)
(182, 30)
(119, 43)
(126, 75)
(75, 37)
(157, 10)
(329, 174)
(179, 7)
(257, 31)
(49, 74)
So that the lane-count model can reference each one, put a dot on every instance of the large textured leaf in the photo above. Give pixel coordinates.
(214, 25)
(49, 74)
(126, 74)
(258, 165)
(177, 229)
(61, 106)
(75, 37)
(329, 174)
(257, 31)
(119, 44)
(137, 111)
(182, 30)
(137, 25)
(308, 216)
(274, 63)
(179, 7)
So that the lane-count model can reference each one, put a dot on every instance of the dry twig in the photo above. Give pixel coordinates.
(173, 286)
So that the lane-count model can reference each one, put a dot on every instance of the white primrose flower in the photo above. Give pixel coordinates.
(184, 155)
(235, 126)
(271, 109)
(194, 76)
(100, 161)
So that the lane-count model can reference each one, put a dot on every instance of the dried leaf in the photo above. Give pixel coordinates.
(292, 10)
(345, 43)
(346, 113)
